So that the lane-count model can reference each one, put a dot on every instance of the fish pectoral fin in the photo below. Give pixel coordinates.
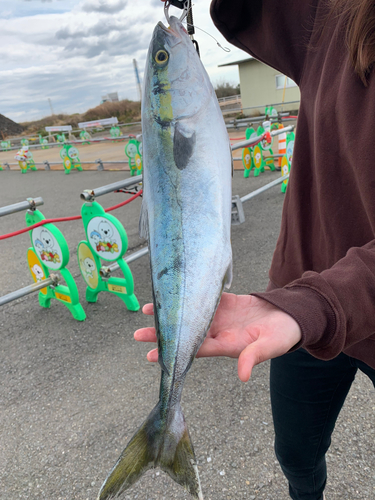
(183, 145)
(143, 222)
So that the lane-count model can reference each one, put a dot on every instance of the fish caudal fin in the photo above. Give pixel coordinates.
(156, 444)
(133, 462)
(177, 456)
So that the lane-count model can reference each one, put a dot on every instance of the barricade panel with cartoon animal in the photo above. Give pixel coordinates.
(60, 138)
(133, 151)
(85, 136)
(286, 161)
(50, 252)
(115, 132)
(248, 153)
(247, 161)
(25, 159)
(267, 161)
(5, 145)
(43, 141)
(106, 239)
(70, 157)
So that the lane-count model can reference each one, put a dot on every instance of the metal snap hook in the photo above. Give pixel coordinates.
(167, 4)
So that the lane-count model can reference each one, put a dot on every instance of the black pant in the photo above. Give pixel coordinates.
(307, 395)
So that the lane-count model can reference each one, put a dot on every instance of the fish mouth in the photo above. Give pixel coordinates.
(161, 25)
(169, 30)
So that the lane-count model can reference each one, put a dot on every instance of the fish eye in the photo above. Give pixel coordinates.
(161, 56)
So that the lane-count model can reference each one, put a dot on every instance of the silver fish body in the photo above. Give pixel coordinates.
(186, 217)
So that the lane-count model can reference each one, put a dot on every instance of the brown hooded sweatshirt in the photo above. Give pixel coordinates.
(323, 267)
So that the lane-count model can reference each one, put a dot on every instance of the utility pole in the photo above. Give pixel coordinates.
(50, 105)
(138, 80)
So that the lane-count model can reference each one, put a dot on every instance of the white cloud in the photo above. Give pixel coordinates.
(73, 52)
(106, 6)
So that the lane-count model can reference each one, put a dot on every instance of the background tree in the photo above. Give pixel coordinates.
(226, 89)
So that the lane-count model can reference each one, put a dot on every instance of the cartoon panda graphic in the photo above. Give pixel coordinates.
(38, 272)
(88, 266)
(106, 231)
(45, 245)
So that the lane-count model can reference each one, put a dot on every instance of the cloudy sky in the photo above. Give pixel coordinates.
(73, 52)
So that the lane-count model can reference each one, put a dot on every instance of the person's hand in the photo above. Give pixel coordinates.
(244, 327)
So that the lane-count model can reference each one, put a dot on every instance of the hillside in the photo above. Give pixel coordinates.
(9, 127)
(126, 112)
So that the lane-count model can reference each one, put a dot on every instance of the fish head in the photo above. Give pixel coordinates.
(176, 85)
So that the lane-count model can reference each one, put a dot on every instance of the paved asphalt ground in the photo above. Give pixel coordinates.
(72, 393)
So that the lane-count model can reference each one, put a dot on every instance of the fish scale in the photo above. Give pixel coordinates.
(186, 218)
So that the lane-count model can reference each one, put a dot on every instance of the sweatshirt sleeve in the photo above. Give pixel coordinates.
(276, 32)
(335, 308)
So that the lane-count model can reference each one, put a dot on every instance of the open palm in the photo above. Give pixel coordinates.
(244, 327)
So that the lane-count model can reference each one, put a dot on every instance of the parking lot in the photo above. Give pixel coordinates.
(73, 393)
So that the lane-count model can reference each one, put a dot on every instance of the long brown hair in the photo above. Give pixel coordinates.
(360, 33)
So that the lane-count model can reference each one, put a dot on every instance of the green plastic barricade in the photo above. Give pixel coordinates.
(106, 239)
(50, 252)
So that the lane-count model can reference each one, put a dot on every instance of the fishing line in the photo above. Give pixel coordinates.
(226, 49)
(188, 13)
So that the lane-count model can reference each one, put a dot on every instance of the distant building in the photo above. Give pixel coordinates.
(262, 85)
(111, 97)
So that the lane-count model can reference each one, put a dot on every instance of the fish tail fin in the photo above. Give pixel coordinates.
(177, 457)
(156, 443)
(135, 460)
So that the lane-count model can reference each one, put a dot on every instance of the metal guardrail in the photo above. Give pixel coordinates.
(250, 120)
(47, 164)
(238, 215)
(91, 194)
(222, 99)
(257, 139)
(75, 131)
(270, 185)
(29, 204)
(68, 141)
(235, 97)
(106, 271)
(230, 101)
(52, 280)
(235, 110)
(100, 163)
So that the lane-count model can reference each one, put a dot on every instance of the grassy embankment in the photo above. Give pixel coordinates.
(126, 112)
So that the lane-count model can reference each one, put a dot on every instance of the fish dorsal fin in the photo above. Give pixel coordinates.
(183, 145)
(143, 221)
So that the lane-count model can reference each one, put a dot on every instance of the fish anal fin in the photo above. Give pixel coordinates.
(228, 278)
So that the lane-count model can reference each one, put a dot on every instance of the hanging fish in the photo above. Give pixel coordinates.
(186, 217)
